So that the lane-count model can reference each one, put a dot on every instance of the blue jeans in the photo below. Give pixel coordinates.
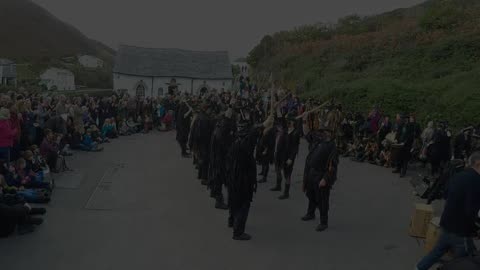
(460, 246)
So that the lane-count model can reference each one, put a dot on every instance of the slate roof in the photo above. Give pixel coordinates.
(9, 70)
(152, 62)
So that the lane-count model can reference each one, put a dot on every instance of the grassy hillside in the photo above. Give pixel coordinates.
(36, 38)
(424, 59)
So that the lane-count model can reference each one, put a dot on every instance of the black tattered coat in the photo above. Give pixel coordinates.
(287, 147)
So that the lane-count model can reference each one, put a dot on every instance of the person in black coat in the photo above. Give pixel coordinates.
(222, 139)
(183, 117)
(439, 152)
(203, 128)
(242, 182)
(405, 136)
(266, 153)
(320, 174)
(286, 150)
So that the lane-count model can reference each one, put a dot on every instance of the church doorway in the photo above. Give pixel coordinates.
(204, 88)
(173, 86)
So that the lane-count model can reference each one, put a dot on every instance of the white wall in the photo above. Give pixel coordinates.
(129, 82)
(161, 82)
(62, 79)
(212, 84)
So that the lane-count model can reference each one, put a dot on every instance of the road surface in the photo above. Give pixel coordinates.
(138, 205)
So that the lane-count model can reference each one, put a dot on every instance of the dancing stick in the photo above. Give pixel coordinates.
(312, 110)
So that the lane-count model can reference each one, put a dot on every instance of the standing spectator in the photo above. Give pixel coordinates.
(49, 150)
(7, 133)
(458, 220)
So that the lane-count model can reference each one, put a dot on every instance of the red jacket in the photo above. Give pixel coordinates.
(7, 133)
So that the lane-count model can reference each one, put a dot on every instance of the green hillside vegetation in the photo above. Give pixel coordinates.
(424, 59)
(37, 40)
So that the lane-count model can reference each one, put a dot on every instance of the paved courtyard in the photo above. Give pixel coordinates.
(138, 205)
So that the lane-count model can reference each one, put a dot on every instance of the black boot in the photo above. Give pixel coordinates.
(25, 228)
(34, 221)
(220, 204)
(37, 211)
(308, 217)
(321, 227)
(286, 193)
(242, 237)
(323, 223)
(230, 222)
(278, 186)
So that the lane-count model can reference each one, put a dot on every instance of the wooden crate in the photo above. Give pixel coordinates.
(421, 218)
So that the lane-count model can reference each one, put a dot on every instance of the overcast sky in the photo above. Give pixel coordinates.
(236, 26)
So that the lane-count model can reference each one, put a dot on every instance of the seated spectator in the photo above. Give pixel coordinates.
(28, 194)
(360, 150)
(147, 124)
(88, 144)
(124, 130)
(16, 214)
(97, 135)
(133, 125)
(371, 151)
(109, 130)
(384, 158)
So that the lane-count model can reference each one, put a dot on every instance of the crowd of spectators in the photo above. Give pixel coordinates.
(37, 131)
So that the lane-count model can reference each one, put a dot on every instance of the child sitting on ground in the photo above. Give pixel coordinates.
(109, 130)
(88, 144)
(384, 158)
(97, 136)
(29, 195)
(360, 150)
(147, 126)
(133, 125)
(124, 130)
(371, 151)
(24, 177)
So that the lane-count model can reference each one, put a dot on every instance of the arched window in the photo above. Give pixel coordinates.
(140, 89)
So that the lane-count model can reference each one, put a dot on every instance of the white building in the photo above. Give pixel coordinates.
(156, 72)
(90, 61)
(244, 67)
(58, 79)
(8, 72)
